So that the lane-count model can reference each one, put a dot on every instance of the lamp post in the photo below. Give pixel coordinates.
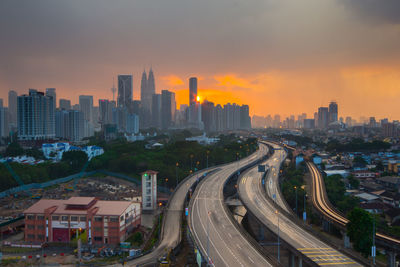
(279, 255)
(176, 172)
(208, 152)
(295, 188)
(208, 237)
(304, 200)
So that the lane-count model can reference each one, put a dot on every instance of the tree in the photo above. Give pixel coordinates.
(76, 159)
(354, 183)
(360, 160)
(14, 149)
(359, 229)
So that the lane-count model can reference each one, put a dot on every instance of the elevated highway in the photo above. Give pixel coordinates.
(212, 226)
(325, 208)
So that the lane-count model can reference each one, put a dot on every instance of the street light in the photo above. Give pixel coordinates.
(208, 152)
(191, 161)
(279, 255)
(176, 172)
(208, 237)
(304, 200)
(295, 188)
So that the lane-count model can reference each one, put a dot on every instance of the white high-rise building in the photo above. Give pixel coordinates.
(12, 108)
(149, 190)
(86, 106)
(36, 118)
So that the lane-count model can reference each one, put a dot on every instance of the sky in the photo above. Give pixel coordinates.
(280, 57)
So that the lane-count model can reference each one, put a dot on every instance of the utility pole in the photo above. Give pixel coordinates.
(208, 238)
(176, 171)
(279, 255)
(295, 188)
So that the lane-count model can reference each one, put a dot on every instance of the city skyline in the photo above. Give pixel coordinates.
(277, 59)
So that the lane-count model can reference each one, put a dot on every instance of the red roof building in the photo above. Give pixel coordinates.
(97, 221)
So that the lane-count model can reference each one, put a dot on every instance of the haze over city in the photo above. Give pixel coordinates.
(280, 57)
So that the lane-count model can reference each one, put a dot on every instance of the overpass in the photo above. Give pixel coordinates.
(330, 214)
(214, 231)
(261, 196)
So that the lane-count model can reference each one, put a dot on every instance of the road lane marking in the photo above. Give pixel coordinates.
(339, 263)
(250, 259)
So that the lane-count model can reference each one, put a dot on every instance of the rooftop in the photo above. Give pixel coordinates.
(59, 207)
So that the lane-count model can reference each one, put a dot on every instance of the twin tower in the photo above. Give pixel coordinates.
(147, 89)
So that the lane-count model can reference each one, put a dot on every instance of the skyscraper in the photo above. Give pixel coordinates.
(323, 117)
(124, 90)
(86, 106)
(151, 86)
(208, 116)
(64, 104)
(143, 87)
(156, 110)
(333, 112)
(12, 108)
(35, 116)
(70, 124)
(52, 92)
(105, 111)
(192, 90)
(245, 121)
(3, 120)
(168, 107)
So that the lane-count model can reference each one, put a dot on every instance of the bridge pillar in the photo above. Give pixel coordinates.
(261, 233)
(346, 240)
(292, 259)
(325, 225)
(300, 261)
(391, 258)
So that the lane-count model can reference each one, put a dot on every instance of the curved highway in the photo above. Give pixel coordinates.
(171, 228)
(212, 226)
(253, 196)
(321, 202)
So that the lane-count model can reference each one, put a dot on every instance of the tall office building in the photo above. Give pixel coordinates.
(156, 110)
(86, 106)
(132, 124)
(168, 107)
(52, 92)
(208, 116)
(105, 111)
(192, 90)
(64, 104)
(245, 120)
(4, 120)
(323, 117)
(125, 86)
(36, 118)
(70, 125)
(151, 88)
(219, 118)
(12, 108)
(333, 112)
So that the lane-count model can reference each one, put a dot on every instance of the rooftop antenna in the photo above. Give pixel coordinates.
(113, 90)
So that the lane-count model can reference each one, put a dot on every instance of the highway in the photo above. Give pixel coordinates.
(171, 228)
(253, 196)
(212, 227)
(321, 202)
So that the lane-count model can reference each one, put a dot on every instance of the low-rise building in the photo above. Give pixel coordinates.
(97, 221)
(54, 151)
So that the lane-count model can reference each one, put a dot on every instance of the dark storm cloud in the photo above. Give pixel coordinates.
(380, 11)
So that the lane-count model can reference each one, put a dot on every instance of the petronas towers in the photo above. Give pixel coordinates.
(147, 90)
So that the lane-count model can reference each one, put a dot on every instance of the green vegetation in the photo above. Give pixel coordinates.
(360, 229)
(354, 182)
(336, 190)
(132, 159)
(294, 181)
(136, 239)
(357, 144)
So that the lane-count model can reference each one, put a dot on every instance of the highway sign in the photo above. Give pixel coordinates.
(304, 216)
(261, 168)
(373, 252)
(186, 211)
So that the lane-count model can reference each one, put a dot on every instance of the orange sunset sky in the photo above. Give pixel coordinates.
(279, 57)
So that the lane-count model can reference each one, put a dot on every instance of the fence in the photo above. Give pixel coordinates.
(28, 187)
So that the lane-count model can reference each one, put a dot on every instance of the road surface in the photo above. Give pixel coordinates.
(208, 217)
(253, 196)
